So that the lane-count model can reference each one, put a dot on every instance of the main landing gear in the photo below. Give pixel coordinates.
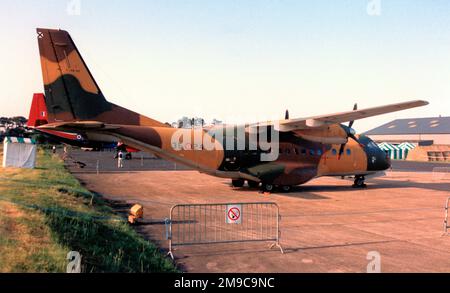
(265, 187)
(238, 182)
(359, 182)
(269, 187)
(253, 184)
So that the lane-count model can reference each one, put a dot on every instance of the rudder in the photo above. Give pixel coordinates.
(38, 111)
(71, 92)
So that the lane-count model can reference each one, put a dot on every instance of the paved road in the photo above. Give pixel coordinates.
(407, 166)
(326, 225)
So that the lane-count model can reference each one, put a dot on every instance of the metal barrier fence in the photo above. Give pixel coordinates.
(193, 224)
(446, 224)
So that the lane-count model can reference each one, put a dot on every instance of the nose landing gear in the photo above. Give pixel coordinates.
(359, 182)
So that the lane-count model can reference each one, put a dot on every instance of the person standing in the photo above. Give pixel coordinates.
(120, 159)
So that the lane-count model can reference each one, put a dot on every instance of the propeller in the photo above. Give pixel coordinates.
(286, 116)
(355, 107)
(350, 133)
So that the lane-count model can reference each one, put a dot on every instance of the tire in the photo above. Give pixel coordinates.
(267, 187)
(359, 182)
(286, 188)
(253, 184)
(238, 182)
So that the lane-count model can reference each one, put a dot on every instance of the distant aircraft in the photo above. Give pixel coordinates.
(272, 154)
(39, 117)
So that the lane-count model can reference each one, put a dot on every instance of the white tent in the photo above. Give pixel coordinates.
(19, 152)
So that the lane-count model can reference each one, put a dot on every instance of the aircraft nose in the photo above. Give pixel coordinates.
(379, 160)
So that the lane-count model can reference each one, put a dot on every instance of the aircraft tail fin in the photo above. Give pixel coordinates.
(38, 111)
(71, 92)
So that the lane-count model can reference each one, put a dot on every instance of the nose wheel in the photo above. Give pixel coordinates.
(359, 182)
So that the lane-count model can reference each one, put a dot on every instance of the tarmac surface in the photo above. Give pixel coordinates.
(326, 225)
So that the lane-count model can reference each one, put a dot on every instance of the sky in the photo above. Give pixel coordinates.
(240, 61)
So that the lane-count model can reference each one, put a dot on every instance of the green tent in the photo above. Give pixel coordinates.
(395, 153)
(406, 147)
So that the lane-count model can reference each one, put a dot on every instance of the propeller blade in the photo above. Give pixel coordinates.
(355, 107)
(286, 116)
(350, 134)
(341, 151)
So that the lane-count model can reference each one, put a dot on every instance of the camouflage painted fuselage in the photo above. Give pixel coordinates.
(297, 162)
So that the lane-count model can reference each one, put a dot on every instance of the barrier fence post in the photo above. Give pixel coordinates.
(168, 225)
(446, 226)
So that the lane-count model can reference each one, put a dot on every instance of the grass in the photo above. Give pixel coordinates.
(45, 213)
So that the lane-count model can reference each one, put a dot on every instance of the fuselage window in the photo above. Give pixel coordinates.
(311, 152)
(288, 151)
(334, 152)
(349, 152)
(304, 152)
(296, 151)
(319, 152)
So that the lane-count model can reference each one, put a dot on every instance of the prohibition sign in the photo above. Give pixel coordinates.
(234, 214)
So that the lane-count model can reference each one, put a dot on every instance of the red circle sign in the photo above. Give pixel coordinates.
(234, 214)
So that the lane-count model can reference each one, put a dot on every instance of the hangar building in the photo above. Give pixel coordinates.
(435, 130)
(430, 135)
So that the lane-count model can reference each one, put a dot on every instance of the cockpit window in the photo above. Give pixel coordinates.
(365, 140)
(372, 145)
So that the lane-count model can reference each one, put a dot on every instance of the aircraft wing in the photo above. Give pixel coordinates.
(325, 120)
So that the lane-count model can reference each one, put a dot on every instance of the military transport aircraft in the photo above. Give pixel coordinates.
(287, 152)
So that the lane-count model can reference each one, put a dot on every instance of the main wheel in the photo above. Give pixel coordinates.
(238, 182)
(268, 187)
(286, 188)
(253, 184)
